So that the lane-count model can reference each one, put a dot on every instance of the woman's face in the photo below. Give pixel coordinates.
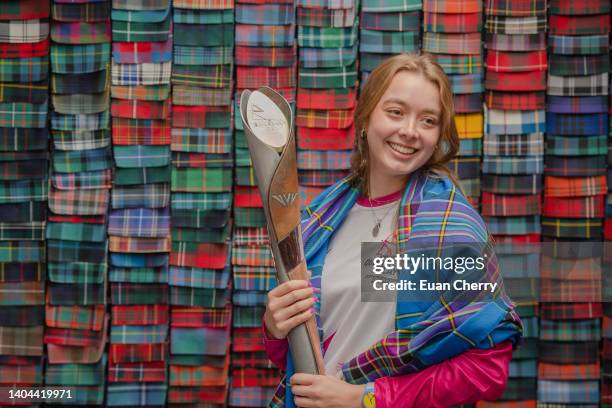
(404, 128)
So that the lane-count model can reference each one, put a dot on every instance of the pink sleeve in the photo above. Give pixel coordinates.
(472, 376)
(275, 349)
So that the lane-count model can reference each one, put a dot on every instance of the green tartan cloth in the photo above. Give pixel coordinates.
(243, 157)
(386, 42)
(24, 69)
(159, 92)
(217, 35)
(527, 351)
(520, 388)
(77, 161)
(459, 64)
(391, 5)
(23, 115)
(81, 140)
(201, 219)
(138, 275)
(247, 316)
(94, 82)
(325, 37)
(249, 217)
(201, 201)
(134, 31)
(202, 297)
(320, 78)
(22, 251)
(137, 294)
(210, 76)
(149, 175)
(22, 140)
(526, 310)
(72, 231)
(23, 190)
(192, 55)
(76, 374)
(245, 176)
(33, 92)
(195, 180)
(77, 272)
(194, 95)
(219, 235)
(34, 230)
(576, 146)
(141, 156)
(240, 139)
(78, 59)
(80, 103)
(203, 16)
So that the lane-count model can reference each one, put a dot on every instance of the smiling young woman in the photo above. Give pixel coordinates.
(401, 194)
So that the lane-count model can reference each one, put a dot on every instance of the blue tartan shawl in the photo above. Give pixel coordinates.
(432, 210)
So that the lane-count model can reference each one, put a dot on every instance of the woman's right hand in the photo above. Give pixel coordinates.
(289, 304)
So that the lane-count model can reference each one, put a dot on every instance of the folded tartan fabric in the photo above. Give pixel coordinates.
(557, 311)
(21, 341)
(579, 44)
(94, 82)
(393, 21)
(575, 65)
(81, 32)
(260, 35)
(217, 117)
(513, 144)
(570, 392)
(94, 121)
(81, 140)
(201, 180)
(201, 317)
(442, 43)
(520, 8)
(23, 139)
(468, 103)
(321, 57)
(268, 14)
(570, 330)
(141, 156)
(206, 201)
(193, 95)
(248, 298)
(459, 64)
(141, 92)
(138, 109)
(452, 23)
(385, 42)
(576, 146)
(139, 222)
(503, 61)
(201, 341)
(34, 92)
(202, 219)
(142, 52)
(147, 4)
(21, 374)
(76, 374)
(24, 50)
(80, 103)
(510, 205)
(313, 118)
(136, 393)
(329, 160)
(79, 59)
(200, 297)
(465, 167)
(141, 74)
(75, 232)
(201, 140)
(23, 115)
(550, 371)
(501, 184)
(28, 211)
(343, 77)
(199, 375)
(516, 25)
(76, 294)
(21, 272)
(571, 124)
(561, 352)
(140, 132)
(285, 56)
(577, 104)
(583, 8)
(523, 42)
(340, 98)
(23, 31)
(139, 294)
(199, 255)
(572, 228)
(515, 100)
(575, 186)
(574, 207)
(139, 245)
(135, 31)
(211, 76)
(24, 9)
(140, 314)
(199, 277)
(137, 372)
(73, 161)
(22, 293)
(24, 70)
(86, 12)
(75, 317)
(513, 225)
(516, 81)
(137, 334)
(70, 251)
(579, 25)
(514, 122)
(217, 35)
(202, 16)
(141, 16)
(138, 175)
(139, 275)
(575, 165)
(325, 17)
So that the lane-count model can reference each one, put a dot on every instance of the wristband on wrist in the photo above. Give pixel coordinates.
(368, 399)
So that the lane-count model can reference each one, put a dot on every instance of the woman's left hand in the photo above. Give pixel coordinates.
(318, 391)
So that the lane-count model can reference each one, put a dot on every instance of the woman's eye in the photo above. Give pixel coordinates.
(395, 112)
(429, 121)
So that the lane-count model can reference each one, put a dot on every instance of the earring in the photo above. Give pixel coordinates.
(363, 133)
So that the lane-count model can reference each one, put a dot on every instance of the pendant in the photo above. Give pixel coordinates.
(376, 229)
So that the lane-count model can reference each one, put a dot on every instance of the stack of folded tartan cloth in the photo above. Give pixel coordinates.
(326, 95)
(265, 56)
(202, 163)
(76, 317)
(452, 33)
(139, 221)
(24, 84)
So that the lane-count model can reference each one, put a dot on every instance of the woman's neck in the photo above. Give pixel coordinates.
(381, 186)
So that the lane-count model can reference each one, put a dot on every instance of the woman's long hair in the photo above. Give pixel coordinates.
(376, 85)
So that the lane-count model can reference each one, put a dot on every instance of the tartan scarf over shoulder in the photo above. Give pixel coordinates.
(427, 333)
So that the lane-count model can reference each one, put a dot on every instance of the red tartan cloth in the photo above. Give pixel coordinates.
(502, 61)
(579, 25)
(195, 116)
(508, 205)
(325, 139)
(141, 132)
(201, 317)
(255, 77)
(184, 395)
(28, 10)
(452, 6)
(78, 219)
(255, 377)
(247, 197)
(608, 229)
(326, 98)
(137, 372)
(248, 339)
(140, 314)
(515, 100)
(131, 353)
(516, 8)
(138, 109)
(211, 256)
(574, 207)
(516, 81)
(557, 311)
(27, 50)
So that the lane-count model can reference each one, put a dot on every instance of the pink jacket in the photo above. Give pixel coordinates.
(467, 378)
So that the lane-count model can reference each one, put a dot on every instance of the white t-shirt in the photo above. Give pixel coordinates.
(355, 325)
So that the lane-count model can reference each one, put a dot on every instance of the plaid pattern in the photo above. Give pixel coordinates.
(572, 228)
(326, 57)
(513, 225)
(580, 44)
(80, 83)
(24, 70)
(146, 195)
(510, 205)
(190, 341)
(592, 85)
(514, 122)
(343, 77)
(134, 31)
(81, 33)
(23, 115)
(21, 272)
(575, 65)
(282, 56)
(191, 96)
(88, 12)
(264, 35)
(184, 55)
(201, 140)
(568, 391)
(140, 132)
(150, 394)
(570, 330)
(587, 7)
(516, 81)
(23, 190)
(579, 25)
(199, 255)
(202, 17)
(74, 294)
(388, 41)
(76, 232)
(26, 341)
(548, 371)
(569, 124)
(585, 104)
(23, 31)
(516, 25)
(23, 139)
(75, 317)
(76, 374)
(212, 76)
(339, 98)
(513, 145)
(529, 184)
(501, 61)
(139, 275)
(198, 376)
(141, 74)
(524, 42)
(441, 43)
(138, 109)
(466, 84)
(254, 277)
(135, 294)
(201, 180)
(401, 21)
(139, 222)
(139, 245)
(30, 50)
(271, 14)
(522, 8)
(182, 296)
(312, 118)
(199, 278)
(132, 176)
(452, 23)
(127, 353)
(142, 52)
(575, 166)
(78, 59)
(210, 201)
(217, 35)
(141, 92)
(24, 10)
(469, 125)
(253, 77)
(569, 352)
(140, 314)
(83, 140)
(216, 117)
(82, 160)
(575, 186)
(201, 317)
(393, 5)
(557, 311)
(80, 103)
(576, 146)
(22, 294)
(330, 160)
(137, 372)
(326, 17)
(136, 334)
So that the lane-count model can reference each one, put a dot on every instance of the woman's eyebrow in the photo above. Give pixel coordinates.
(401, 102)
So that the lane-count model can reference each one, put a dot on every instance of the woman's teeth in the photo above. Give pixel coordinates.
(402, 149)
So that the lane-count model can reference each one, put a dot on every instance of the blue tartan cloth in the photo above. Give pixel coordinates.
(568, 392)
(136, 394)
(139, 222)
(570, 124)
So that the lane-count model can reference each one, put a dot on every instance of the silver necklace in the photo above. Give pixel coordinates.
(376, 228)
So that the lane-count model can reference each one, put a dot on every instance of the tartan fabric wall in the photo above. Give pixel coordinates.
(132, 239)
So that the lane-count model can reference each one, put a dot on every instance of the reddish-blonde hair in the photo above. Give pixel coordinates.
(373, 90)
